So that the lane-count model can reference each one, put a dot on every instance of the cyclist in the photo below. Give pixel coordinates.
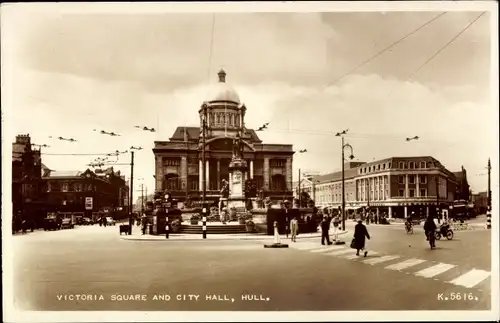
(409, 223)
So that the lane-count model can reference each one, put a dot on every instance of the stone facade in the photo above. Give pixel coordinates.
(397, 185)
(179, 160)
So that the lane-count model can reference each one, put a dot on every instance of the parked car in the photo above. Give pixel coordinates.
(110, 221)
(87, 221)
(52, 222)
(67, 224)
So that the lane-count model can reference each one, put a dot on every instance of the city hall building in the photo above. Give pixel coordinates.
(179, 164)
(396, 186)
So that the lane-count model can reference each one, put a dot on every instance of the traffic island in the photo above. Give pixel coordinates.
(277, 243)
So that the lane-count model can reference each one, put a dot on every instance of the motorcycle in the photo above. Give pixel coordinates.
(445, 231)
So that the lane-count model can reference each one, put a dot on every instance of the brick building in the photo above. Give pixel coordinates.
(86, 193)
(179, 160)
(396, 186)
(26, 182)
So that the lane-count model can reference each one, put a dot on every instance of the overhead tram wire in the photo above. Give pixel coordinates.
(427, 61)
(381, 52)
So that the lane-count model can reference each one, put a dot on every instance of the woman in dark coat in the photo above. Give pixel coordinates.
(360, 233)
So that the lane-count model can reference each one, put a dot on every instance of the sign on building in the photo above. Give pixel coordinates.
(89, 203)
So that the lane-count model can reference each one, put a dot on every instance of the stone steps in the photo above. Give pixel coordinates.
(213, 229)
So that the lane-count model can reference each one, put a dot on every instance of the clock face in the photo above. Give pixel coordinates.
(237, 176)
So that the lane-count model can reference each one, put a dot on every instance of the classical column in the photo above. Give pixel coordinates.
(389, 186)
(390, 212)
(289, 174)
(159, 173)
(207, 178)
(406, 211)
(200, 176)
(184, 172)
(218, 174)
(266, 173)
(407, 194)
(427, 211)
(251, 169)
(417, 180)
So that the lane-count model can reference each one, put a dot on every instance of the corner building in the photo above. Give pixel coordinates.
(179, 164)
(396, 186)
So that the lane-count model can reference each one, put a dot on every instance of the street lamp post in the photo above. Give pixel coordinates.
(351, 156)
(203, 157)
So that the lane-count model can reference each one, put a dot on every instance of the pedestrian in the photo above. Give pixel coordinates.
(430, 229)
(360, 235)
(104, 221)
(294, 225)
(287, 225)
(130, 224)
(336, 223)
(100, 221)
(144, 223)
(325, 227)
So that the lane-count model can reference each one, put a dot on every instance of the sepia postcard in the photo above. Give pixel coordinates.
(254, 161)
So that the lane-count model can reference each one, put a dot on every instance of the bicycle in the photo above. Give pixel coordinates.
(409, 228)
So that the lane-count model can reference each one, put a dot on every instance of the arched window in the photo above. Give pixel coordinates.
(401, 165)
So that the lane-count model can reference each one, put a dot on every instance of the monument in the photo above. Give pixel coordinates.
(237, 177)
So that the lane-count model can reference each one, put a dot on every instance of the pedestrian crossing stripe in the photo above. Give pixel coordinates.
(329, 248)
(434, 270)
(471, 278)
(378, 260)
(405, 264)
(340, 252)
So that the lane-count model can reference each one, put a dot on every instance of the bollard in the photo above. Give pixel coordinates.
(277, 243)
(204, 228)
(167, 228)
(488, 220)
(276, 233)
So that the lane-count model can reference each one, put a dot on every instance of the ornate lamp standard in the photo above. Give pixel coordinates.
(204, 108)
(351, 156)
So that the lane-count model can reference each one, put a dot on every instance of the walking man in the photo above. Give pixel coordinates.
(360, 235)
(325, 227)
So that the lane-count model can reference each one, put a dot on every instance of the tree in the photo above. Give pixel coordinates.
(306, 200)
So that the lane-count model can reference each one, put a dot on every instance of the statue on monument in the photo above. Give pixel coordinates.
(237, 147)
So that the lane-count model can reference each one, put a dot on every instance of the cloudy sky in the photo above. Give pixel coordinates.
(67, 74)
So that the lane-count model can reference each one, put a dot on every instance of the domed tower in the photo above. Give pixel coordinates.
(225, 114)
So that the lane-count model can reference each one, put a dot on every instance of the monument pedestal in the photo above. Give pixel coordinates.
(237, 177)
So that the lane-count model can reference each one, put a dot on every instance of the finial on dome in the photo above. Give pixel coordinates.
(222, 76)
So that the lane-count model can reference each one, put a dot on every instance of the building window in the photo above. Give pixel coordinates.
(423, 179)
(378, 167)
(65, 187)
(423, 192)
(410, 165)
(49, 188)
(389, 165)
(387, 194)
(401, 179)
(401, 165)
(423, 165)
(412, 193)
(383, 166)
(89, 187)
(412, 179)
(78, 187)
(401, 193)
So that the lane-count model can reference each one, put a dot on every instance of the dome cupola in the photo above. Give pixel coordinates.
(221, 91)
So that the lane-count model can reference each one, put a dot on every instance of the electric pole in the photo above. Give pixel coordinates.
(300, 198)
(131, 188)
(142, 198)
(489, 185)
